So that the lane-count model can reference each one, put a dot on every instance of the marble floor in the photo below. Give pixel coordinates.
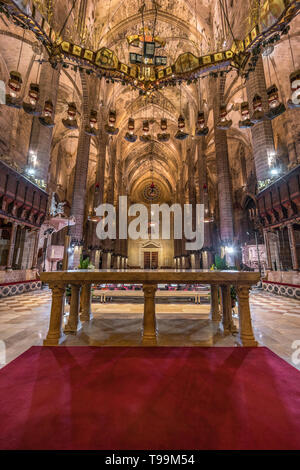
(24, 322)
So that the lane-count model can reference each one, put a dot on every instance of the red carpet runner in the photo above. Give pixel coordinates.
(149, 398)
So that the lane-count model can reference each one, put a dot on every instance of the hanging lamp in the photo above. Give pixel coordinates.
(14, 87)
(224, 123)
(14, 84)
(91, 128)
(201, 128)
(276, 108)
(180, 134)
(245, 122)
(70, 122)
(145, 137)
(46, 119)
(258, 114)
(110, 126)
(294, 101)
(164, 136)
(130, 136)
(33, 97)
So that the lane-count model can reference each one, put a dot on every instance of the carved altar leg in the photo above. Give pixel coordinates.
(149, 322)
(228, 324)
(86, 294)
(246, 332)
(214, 304)
(74, 324)
(55, 334)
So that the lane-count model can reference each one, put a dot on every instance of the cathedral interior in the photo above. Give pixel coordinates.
(166, 102)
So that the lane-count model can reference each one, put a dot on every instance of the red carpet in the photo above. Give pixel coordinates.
(149, 398)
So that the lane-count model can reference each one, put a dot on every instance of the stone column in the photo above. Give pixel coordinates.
(55, 334)
(74, 324)
(11, 246)
(81, 169)
(41, 136)
(86, 295)
(149, 321)
(214, 304)
(293, 247)
(203, 199)
(262, 132)
(100, 176)
(245, 324)
(35, 249)
(223, 170)
(108, 245)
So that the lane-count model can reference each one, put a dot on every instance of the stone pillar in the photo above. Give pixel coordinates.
(41, 136)
(74, 324)
(81, 169)
(203, 199)
(108, 245)
(223, 170)
(293, 247)
(35, 249)
(55, 334)
(214, 304)
(262, 132)
(149, 321)
(11, 246)
(245, 324)
(100, 176)
(86, 294)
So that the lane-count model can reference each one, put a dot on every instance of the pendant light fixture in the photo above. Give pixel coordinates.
(245, 122)
(130, 136)
(145, 137)
(71, 122)
(224, 123)
(276, 108)
(110, 126)
(33, 97)
(14, 87)
(14, 84)
(201, 127)
(163, 136)
(91, 128)
(180, 134)
(258, 115)
(46, 119)
(31, 106)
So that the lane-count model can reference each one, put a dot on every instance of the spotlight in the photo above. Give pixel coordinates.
(275, 171)
(230, 249)
(31, 171)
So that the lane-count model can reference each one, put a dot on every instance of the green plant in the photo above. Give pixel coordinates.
(221, 265)
(84, 263)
